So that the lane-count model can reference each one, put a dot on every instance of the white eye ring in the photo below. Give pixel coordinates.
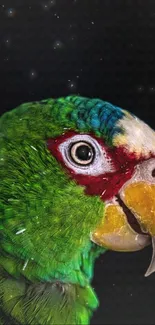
(90, 153)
(100, 164)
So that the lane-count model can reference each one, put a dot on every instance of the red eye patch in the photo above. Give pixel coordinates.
(105, 185)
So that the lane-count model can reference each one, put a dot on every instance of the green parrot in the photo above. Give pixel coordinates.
(77, 178)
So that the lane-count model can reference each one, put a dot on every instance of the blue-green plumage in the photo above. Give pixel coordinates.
(97, 115)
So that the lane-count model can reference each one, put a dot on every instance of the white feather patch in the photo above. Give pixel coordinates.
(138, 138)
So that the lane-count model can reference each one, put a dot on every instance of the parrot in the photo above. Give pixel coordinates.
(77, 179)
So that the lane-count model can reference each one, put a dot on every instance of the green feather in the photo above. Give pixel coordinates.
(47, 258)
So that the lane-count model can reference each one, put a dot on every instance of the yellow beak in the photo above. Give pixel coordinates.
(116, 233)
(140, 198)
(128, 223)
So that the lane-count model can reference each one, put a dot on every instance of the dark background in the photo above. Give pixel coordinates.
(95, 48)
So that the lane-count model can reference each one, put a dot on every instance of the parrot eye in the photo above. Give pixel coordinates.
(82, 153)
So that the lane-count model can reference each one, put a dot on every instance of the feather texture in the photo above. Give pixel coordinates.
(47, 257)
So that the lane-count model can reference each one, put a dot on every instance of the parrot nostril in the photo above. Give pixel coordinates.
(153, 172)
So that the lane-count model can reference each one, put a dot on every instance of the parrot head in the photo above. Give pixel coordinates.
(121, 173)
(74, 170)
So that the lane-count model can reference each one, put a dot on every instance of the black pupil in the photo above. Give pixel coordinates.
(83, 152)
(153, 172)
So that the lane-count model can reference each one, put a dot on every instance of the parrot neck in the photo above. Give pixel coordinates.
(58, 301)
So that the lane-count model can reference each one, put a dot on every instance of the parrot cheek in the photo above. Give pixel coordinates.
(115, 232)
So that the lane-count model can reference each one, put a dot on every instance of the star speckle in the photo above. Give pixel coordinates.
(7, 42)
(45, 6)
(33, 74)
(11, 12)
(52, 2)
(57, 45)
(48, 5)
(152, 89)
(140, 89)
(56, 15)
(72, 84)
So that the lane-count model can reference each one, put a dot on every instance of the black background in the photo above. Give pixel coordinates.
(95, 48)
